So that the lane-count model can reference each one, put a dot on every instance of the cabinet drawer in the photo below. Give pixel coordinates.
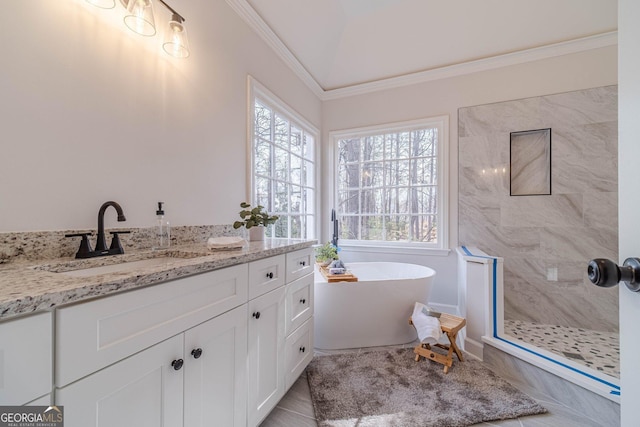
(95, 334)
(298, 352)
(26, 346)
(299, 263)
(299, 303)
(266, 275)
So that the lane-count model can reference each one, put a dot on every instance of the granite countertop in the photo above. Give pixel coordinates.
(27, 287)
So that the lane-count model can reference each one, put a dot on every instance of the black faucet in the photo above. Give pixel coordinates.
(101, 244)
(334, 219)
(85, 250)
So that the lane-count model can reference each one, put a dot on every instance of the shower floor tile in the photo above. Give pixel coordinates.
(597, 350)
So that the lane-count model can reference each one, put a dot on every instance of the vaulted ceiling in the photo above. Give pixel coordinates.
(346, 43)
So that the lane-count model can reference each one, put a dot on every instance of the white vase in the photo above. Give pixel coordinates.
(256, 233)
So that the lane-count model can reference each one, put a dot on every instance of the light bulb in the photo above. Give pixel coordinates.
(175, 39)
(140, 17)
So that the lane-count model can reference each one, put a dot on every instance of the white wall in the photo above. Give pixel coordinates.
(90, 112)
(583, 70)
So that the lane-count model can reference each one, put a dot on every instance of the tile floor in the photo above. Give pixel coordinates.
(295, 408)
(595, 349)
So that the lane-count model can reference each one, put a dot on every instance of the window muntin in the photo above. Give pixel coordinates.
(390, 186)
(283, 165)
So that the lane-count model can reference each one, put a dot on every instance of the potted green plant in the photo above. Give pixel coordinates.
(326, 253)
(254, 220)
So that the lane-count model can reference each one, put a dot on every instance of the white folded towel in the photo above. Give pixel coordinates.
(222, 243)
(428, 327)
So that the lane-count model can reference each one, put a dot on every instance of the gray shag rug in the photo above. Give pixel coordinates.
(389, 388)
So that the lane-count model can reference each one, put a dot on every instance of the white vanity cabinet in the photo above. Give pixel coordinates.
(218, 348)
(26, 345)
(160, 356)
(95, 334)
(280, 329)
(194, 379)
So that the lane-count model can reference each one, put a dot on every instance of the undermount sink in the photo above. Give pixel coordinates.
(115, 264)
(118, 268)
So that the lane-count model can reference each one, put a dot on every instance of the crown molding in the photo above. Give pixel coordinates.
(251, 17)
(514, 58)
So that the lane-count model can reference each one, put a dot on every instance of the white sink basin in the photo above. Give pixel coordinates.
(119, 268)
(116, 264)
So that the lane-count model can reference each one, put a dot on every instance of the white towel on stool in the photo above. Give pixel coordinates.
(428, 327)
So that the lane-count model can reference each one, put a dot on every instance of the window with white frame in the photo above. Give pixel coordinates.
(283, 165)
(391, 185)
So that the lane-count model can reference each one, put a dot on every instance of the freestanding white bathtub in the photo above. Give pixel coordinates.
(375, 310)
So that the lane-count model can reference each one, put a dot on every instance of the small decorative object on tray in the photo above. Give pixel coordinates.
(346, 276)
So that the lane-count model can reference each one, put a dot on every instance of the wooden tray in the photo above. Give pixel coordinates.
(331, 278)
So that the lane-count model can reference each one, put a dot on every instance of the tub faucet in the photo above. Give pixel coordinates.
(334, 219)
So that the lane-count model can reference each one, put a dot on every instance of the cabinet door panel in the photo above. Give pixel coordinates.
(26, 347)
(215, 383)
(265, 357)
(143, 390)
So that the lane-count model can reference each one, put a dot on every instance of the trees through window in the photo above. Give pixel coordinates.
(283, 161)
(390, 185)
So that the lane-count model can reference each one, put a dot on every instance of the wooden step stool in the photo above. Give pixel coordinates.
(450, 326)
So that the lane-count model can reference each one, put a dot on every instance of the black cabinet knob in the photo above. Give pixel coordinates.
(270, 275)
(196, 353)
(303, 263)
(256, 314)
(177, 364)
(302, 301)
(302, 349)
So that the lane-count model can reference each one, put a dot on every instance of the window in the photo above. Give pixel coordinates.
(283, 165)
(391, 184)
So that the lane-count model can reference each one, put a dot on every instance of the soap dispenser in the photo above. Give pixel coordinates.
(162, 230)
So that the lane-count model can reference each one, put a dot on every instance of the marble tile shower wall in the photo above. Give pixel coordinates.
(546, 237)
(41, 245)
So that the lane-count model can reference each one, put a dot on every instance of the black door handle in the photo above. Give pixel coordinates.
(606, 273)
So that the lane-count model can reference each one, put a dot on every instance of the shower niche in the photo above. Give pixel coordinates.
(530, 162)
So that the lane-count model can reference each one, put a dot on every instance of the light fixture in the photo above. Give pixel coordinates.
(140, 17)
(175, 38)
(103, 4)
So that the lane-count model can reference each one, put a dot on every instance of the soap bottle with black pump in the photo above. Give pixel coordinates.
(162, 230)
